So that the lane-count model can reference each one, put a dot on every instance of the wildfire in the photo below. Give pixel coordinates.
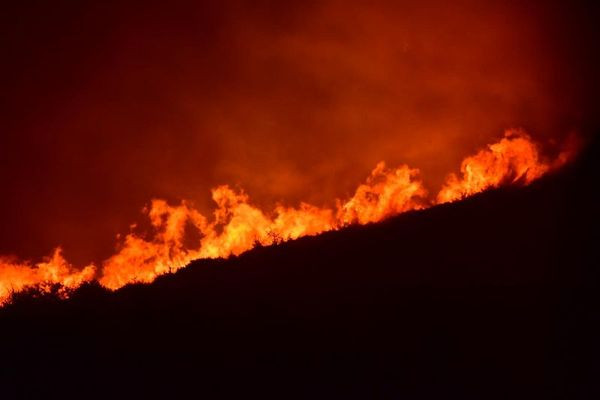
(237, 226)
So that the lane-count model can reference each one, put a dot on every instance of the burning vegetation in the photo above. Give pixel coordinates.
(237, 226)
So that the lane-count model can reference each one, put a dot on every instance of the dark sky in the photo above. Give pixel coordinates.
(107, 105)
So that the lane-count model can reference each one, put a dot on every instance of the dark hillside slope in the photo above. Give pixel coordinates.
(492, 297)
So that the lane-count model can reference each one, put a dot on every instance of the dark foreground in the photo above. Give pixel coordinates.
(493, 297)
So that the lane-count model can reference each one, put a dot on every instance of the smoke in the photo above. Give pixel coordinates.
(107, 106)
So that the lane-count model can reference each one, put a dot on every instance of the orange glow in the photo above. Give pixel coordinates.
(237, 225)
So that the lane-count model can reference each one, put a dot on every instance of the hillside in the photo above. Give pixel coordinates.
(492, 297)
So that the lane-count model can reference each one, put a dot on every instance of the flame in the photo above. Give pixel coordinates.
(15, 276)
(514, 159)
(386, 193)
(237, 226)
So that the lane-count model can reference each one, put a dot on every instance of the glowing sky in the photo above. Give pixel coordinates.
(106, 106)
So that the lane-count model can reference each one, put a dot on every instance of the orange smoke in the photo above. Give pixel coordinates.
(238, 226)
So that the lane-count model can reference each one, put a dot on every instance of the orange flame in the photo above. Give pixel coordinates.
(514, 159)
(237, 226)
(15, 277)
(386, 193)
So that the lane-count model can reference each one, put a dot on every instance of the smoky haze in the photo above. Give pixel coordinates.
(106, 106)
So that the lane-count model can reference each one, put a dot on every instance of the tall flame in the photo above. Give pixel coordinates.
(511, 160)
(386, 193)
(237, 226)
